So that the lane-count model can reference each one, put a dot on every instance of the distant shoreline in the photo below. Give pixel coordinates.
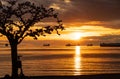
(98, 76)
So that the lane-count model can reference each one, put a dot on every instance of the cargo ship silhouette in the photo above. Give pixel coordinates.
(110, 44)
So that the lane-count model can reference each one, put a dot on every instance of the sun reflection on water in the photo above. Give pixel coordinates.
(77, 60)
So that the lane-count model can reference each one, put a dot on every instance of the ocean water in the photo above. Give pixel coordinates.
(63, 60)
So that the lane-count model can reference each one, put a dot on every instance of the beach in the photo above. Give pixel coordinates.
(99, 76)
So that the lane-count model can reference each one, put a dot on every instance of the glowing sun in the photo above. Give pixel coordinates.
(76, 35)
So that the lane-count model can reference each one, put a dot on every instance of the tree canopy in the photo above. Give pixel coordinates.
(16, 20)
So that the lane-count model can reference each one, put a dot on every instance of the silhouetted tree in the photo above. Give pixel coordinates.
(16, 20)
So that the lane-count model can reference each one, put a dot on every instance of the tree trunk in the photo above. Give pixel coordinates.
(14, 58)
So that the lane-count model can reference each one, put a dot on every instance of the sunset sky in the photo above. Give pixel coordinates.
(86, 20)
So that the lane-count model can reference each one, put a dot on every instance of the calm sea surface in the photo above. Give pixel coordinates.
(66, 60)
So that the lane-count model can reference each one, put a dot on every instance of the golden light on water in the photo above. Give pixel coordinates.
(77, 60)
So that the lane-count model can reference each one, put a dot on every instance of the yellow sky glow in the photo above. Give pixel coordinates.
(75, 35)
(78, 32)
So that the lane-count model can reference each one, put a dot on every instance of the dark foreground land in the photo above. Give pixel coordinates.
(101, 76)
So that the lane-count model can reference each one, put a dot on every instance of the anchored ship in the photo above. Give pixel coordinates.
(110, 44)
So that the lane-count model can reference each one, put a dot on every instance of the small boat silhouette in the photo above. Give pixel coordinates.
(46, 44)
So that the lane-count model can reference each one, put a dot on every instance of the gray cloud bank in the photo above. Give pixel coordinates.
(101, 10)
(106, 11)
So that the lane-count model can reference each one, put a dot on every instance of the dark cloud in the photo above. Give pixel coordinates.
(86, 10)
(106, 11)
(96, 10)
